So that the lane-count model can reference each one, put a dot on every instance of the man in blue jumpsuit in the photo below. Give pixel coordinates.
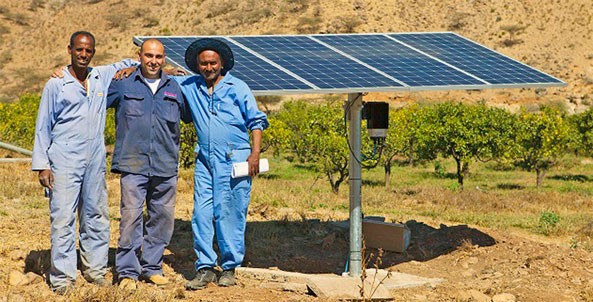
(224, 111)
(69, 153)
(149, 106)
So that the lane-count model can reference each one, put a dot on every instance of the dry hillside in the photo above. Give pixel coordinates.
(554, 36)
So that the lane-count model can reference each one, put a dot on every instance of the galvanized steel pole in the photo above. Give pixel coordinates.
(354, 109)
(15, 149)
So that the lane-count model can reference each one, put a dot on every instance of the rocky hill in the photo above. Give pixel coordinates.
(553, 36)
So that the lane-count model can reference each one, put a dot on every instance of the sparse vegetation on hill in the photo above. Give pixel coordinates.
(552, 36)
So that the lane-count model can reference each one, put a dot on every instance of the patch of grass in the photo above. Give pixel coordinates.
(457, 21)
(18, 18)
(309, 25)
(117, 20)
(150, 22)
(547, 222)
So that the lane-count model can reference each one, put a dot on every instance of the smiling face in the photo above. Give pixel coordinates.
(210, 66)
(152, 58)
(81, 51)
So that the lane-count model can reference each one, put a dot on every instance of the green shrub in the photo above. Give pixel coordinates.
(547, 222)
(18, 121)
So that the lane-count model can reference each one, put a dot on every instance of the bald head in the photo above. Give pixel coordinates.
(152, 58)
(152, 43)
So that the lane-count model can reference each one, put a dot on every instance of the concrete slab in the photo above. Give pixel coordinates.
(400, 280)
(347, 288)
(377, 284)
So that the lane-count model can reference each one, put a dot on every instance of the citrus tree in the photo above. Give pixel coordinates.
(465, 133)
(582, 124)
(401, 137)
(542, 138)
(315, 135)
(18, 121)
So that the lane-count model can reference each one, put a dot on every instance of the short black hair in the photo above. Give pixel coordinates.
(78, 33)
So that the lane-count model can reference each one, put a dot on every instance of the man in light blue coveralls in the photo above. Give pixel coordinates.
(69, 153)
(224, 111)
(149, 106)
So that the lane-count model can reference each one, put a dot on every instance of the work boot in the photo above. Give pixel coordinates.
(227, 278)
(158, 280)
(128, 284)
(203, 277)
(63, 290)
(101, 282)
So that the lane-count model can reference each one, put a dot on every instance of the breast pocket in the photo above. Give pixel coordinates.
(168, 109)
(229, 110)
(133, 104)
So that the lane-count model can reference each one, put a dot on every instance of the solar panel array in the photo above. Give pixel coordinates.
(351, 63)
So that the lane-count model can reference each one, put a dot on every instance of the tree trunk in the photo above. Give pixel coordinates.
(459, 173)
(411, 155)
(465, 169)
(387, 174)
(540, 176)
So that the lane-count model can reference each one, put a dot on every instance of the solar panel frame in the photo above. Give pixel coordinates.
(310, 59)
(180, 63)
(478, 83)
(557, 82)
(237, 42)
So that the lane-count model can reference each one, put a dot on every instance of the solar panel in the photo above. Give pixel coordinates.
(316, 63)
(476, 59)
(400, 61)
(257, 73)
(354, 63)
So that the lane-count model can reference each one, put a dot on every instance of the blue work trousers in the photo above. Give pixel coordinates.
(220, 205)
(141, 245)
(79, 185)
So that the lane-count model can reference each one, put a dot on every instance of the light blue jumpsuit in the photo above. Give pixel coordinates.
(222, 122)
(69, 141)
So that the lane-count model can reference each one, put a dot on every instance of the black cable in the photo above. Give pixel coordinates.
(346, 113)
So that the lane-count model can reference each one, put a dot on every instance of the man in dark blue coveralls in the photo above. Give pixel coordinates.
(149, 106)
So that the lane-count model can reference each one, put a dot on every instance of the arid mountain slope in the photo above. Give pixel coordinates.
(554, 36)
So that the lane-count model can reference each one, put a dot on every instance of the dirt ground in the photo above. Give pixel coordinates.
(478, 264)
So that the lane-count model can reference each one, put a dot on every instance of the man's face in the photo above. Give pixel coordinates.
(82, 51)
(152, 58)
(210, 65)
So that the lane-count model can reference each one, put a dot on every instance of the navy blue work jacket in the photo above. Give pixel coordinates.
(147, 125)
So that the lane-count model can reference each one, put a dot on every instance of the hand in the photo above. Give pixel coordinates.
(46, 178)
(175, 71)
(124, 73)
(253, 162)
(58, 73)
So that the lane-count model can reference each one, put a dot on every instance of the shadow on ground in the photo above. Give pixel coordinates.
(39, 262)
(307, 246)
(314, 246)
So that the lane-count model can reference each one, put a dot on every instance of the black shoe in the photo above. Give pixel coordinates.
(227, 278)
(203, 277)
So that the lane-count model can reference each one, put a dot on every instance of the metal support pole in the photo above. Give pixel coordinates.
(15, 149)
(354, 107)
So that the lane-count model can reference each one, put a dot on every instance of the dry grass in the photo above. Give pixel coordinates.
(291, 209)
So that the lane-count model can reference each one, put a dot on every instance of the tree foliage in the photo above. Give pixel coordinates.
(17, 125)
(188, 139)
(541, 139)
(582, 124)
(315, 135)
(401, 137)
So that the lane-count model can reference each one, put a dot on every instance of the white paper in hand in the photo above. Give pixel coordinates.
(242, 169)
